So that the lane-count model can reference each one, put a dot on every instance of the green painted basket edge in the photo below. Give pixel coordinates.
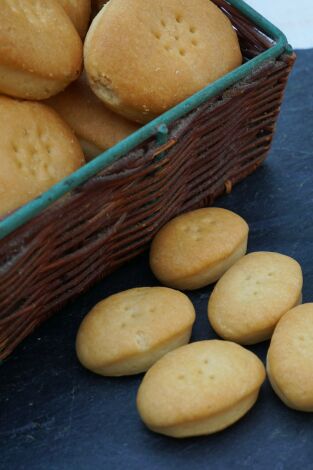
(156, 127)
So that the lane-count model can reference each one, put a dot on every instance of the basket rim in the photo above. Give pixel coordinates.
(156, 127)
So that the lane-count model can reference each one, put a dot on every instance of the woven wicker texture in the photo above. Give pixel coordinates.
(112, 217)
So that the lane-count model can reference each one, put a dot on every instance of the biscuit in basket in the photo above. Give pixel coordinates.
(37, 149)
(196, 248)
(290, 358)
(167, 51)
(96, 127)
(248, 301)
(79, 13)
(40, 49)
(127, 332)
(200, 388)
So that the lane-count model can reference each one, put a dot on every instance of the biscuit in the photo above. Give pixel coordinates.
(196, 248)
(127, 332)
(37, 149)
(251, 297)
(79, 12)
(200, 388)
(154, 61)
(290, 358)
(40, 49)
(96, 127)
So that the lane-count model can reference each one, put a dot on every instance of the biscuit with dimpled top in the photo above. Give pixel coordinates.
(167, 51)
(37, 149)
(200, 388)
(252, 296)
(127, 332)
(196, 248)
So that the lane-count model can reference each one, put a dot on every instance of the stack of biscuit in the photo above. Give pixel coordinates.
(129, 78)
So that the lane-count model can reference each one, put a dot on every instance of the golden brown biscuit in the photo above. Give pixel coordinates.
(290, 358)
(251, 297)
(200, 388)
(79, 12)
(154, 61)
(96, 127)
(127, 332)
(196, 248)
(37, 149)
(40, 50)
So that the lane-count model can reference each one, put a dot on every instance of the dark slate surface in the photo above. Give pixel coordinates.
(55, 415)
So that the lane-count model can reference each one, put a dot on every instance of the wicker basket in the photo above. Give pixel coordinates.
(106, 213)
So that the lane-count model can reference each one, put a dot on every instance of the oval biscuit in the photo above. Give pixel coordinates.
(200, 388)
(251, 297)
(127, 332)
(196, 248)
(290, 358)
